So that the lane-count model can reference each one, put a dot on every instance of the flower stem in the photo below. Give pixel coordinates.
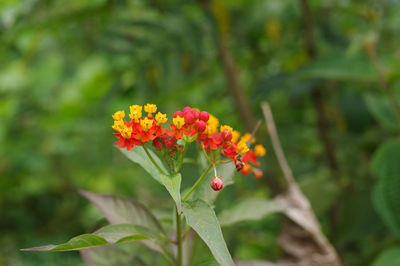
(179, 237)
(152, 159)
(183, 156)
(203, 175)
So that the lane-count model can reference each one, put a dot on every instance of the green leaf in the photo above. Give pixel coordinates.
(173, 184)
(250, 209)
(381, 109)
(341, 65)
(121, 210)
(110, 234)
(389, 257)
(386, 195)
(139, 156)
(201, 217)
(109, 256)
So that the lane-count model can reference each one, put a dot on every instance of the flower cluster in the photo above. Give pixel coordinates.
(188, 125)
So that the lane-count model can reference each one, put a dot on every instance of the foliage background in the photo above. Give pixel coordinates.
(66, 66)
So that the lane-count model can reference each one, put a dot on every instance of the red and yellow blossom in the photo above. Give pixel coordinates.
(189, 125)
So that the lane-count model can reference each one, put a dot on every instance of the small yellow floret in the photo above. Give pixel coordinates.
(178, 121)
(235, 136)
(242, 147)
(146, 123)
(126, 132)
(161, 118)
(150, 109)
(119, 115)
(259, 150)
(212, 125)
(227, 128)
(246, 137)
(118, 125)
(135, 112)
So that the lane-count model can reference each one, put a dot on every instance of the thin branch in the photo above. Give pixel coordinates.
(276, 144)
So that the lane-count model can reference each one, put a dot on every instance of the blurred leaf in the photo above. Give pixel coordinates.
(386, 196)
(341, 65)
(389, 257)
(249, 209)
(382, 111)
(110, 234)
(109, 256)
(201, 217)
(120, 210)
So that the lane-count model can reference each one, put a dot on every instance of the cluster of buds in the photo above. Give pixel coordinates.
(188, 125)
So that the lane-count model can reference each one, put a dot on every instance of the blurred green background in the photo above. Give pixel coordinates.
(329, 69)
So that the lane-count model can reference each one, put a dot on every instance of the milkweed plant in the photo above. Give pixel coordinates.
(161, 151)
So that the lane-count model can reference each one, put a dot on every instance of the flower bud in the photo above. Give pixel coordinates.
(196, 113)
(187, 109)
(257, 173)
(204, 116)
(189, 118)
(216, 184)
(157, 143)
(178, 113)
(200, 126)
(246, 169)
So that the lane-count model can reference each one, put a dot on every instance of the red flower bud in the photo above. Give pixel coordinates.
(216, 184)
(157, 143)
(187, 109)
(189, 118)
(178, 113)
(196, 113)
(257, 173)
(200, 126)
(204, 116)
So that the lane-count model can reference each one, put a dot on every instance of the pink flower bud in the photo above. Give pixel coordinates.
(178, 113)
(216, 184)
(196, 113)
(257, 173)
(204, 116)
(189, 118)
(187, 109)
(200, 126)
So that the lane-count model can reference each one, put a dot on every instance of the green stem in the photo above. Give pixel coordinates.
(197, 182)
(152, 159)
(205, 153)
(179, 237)
(183, 156)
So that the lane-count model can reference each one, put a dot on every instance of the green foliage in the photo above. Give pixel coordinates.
(201, 217)
(249, 209)
(389, 257)
(386, 165)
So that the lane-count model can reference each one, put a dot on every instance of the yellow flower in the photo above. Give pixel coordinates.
(225, 127)
(161, 118)
(242, 147)
(212, 125)
(146, 123)
(119, 115)
(150, 109)
(136, 112)
(235, 136)
(126, 132)
(246, 138)
(259, 150)
(118, 125)
(178, 121)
